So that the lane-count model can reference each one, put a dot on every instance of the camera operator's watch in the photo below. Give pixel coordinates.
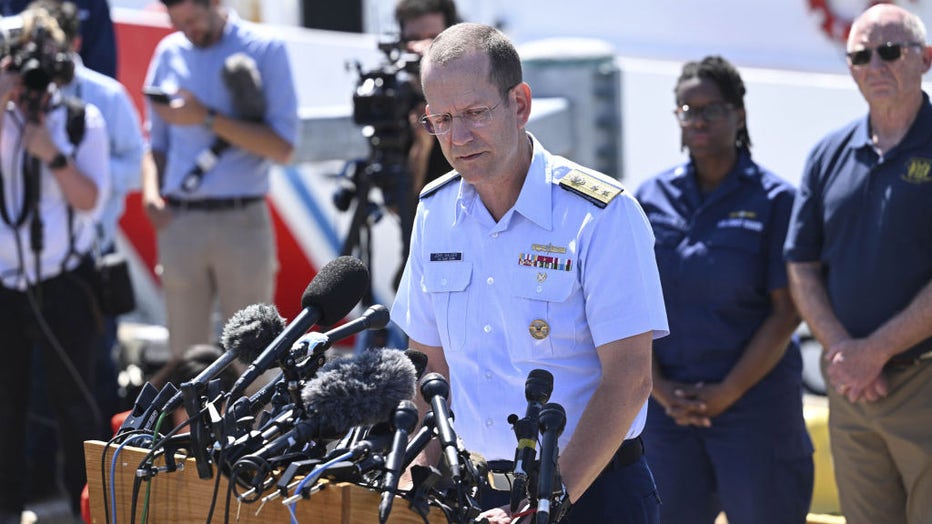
(58, 161)
(209, 119)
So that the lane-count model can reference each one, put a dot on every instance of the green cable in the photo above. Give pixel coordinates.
(145, 501)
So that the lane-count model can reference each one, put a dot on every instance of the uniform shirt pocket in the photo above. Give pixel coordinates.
(736, 265)
(548, 305)
(446, 283)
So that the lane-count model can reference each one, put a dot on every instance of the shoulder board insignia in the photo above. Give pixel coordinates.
(430, 188)
(589, 187)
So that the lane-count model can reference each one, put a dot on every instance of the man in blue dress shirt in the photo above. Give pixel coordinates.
(215, 237)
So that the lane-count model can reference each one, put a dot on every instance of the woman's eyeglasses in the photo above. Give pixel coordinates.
(888, 52)
(713, 112)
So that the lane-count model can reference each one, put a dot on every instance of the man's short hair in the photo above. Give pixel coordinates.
(409, 9)
(461, 39)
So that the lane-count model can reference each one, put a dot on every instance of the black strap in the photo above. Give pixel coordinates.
(204, 163)
(75, 126)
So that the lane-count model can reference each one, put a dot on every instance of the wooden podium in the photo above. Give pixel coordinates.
(181, 497)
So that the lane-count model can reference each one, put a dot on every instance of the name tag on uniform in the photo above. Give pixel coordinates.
(445, 257)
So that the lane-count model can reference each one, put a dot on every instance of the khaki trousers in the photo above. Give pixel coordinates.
(882, 451)
(223, 255)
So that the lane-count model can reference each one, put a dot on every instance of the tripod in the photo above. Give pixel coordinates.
(385, 168)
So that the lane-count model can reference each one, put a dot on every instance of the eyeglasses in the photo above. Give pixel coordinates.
(710, 113)
(474, 117)
(888, 52)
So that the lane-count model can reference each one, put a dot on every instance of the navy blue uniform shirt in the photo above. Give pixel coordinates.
(720, 256)
(868, 220)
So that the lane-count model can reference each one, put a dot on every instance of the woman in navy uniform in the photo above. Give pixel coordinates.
(725, 418)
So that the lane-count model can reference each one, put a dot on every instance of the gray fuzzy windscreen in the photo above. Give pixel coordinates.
(250, 330)
(360, 390)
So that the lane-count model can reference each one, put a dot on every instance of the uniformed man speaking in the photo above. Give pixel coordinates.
(523, 260)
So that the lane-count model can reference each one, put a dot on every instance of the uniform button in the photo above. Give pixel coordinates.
(490, 280)
(487, 329)
(494, 235)
(540, 289)
(443, 281)
(488, 375)
(489, 422)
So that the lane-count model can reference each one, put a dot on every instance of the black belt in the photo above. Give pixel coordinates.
(212, 204)
(629, 452)
(903, 362)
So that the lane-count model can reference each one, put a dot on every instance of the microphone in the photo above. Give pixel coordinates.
(436, 390)
(404, 419)
(349, 391)
(552, 422)
(244, 336)
(420, 440)
(537, 390)
(418, 359)
(375, 317)
(148, 404)
(329, 297)
(244, 85)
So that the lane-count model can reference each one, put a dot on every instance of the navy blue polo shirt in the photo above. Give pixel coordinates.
(868, 220)
(720, 256)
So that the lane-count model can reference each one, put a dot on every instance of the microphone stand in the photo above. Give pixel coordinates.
(552, 422)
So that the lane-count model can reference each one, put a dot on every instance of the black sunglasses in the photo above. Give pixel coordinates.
(888, 52)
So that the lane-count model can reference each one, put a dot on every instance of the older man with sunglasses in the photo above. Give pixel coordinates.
(860, 266)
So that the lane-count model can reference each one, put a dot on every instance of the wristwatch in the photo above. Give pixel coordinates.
(209, 119)
(58, 161)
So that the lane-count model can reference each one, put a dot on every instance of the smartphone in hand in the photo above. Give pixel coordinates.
(156, 94)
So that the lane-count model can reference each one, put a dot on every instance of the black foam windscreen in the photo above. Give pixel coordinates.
(418, 359)
(336, 289)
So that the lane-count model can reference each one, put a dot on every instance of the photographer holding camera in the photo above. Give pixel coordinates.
(420, 21)
(51, 192)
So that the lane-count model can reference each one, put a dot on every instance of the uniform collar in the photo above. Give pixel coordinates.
(921, 128)
(918, 133)
(744, 169)
(534, 200)
(685, 183)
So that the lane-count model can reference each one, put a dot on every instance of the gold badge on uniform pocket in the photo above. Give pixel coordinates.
(539, 329)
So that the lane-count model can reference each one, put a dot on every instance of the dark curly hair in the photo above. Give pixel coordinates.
(724, 75)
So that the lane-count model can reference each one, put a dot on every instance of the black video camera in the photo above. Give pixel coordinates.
(38, 58)
(382, 100)
(384, 96)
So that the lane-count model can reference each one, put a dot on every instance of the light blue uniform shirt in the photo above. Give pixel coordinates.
(471, 286)
(124, 135)
(178, 64)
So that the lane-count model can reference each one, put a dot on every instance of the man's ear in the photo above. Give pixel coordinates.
(522, 99)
